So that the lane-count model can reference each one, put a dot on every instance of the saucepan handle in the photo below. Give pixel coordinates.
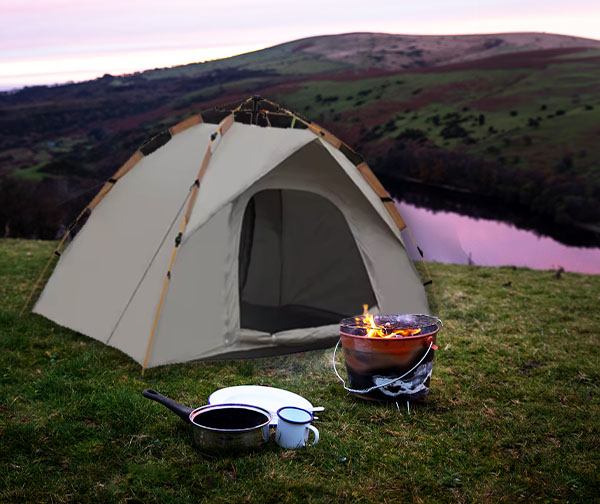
(180, 410)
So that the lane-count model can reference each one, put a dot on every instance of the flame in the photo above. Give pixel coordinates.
(367, 321)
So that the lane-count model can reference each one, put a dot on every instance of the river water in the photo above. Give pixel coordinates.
(449, 237)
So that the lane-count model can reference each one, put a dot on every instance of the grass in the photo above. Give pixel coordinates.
(566, 87)
(513, 414)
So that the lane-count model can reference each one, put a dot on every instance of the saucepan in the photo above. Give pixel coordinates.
(221, 429)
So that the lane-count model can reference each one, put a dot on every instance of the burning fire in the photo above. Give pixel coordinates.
(367, 321)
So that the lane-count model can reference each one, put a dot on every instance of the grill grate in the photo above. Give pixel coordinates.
(426, 323)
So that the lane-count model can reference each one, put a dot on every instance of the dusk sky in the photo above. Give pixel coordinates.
(53, 41)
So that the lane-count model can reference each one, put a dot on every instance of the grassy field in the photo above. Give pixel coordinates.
(513, 414)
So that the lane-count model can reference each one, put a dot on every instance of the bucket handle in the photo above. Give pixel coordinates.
(375, 387)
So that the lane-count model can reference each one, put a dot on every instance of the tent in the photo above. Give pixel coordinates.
(251, 237)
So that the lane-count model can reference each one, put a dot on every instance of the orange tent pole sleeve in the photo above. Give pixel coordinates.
(199, 177)
(222, 129)
(388, 203)
(127, 166)
(185, 124)
(161, 299)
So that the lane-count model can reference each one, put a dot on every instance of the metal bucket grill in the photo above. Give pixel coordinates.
(389, 369)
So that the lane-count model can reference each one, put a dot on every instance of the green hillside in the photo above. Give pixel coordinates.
(534, 130)
(284, 59)
(514, 118)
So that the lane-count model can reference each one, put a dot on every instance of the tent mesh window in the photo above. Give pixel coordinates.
(295, 253)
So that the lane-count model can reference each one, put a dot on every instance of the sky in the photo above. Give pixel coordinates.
(56, 41)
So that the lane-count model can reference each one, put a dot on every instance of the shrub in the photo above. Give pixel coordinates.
(414, 134)
(434, 119)
(454, 130)
(565, 164)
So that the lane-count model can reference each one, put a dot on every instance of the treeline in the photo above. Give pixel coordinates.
(40, 210)
(563, 198)
(44, 209)
(74, 108)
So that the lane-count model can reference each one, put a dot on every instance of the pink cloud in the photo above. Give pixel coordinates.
(32, 29)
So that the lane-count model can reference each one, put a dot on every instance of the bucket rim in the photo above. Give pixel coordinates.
(403, 338)
(426, 320)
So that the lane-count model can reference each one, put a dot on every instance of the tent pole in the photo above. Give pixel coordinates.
(430, 280)
(162, 296)
(223, 127)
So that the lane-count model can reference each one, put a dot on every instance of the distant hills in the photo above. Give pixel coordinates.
(513, 117)
(382, 51)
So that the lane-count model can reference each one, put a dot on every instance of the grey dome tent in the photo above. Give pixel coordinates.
(233, 240)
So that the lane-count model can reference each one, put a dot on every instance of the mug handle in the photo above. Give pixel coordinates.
(315, 432)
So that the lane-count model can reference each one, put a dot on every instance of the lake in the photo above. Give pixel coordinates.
(449, 237)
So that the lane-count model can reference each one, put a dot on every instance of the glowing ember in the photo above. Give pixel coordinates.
(366, 321)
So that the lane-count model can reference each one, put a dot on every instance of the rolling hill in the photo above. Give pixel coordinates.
(512, 117)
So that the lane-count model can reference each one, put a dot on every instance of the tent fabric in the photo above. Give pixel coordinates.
(279, 209)
(239, 158)
(99, 270)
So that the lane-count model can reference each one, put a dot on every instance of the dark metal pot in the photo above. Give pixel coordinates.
(221, 429)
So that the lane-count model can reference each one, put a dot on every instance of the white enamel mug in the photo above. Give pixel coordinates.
(294, 426)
